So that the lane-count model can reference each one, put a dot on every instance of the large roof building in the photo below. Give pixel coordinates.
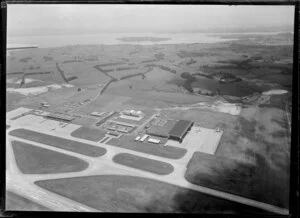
(180, 129)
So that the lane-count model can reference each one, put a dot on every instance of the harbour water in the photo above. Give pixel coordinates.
(110, 39)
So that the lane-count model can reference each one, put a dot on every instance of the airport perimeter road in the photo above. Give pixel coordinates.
(105, 165)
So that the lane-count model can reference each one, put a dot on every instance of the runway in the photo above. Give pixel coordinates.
(24, 184)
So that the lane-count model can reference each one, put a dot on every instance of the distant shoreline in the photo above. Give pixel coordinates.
(143, 39)
(117, 39)
(21, 47)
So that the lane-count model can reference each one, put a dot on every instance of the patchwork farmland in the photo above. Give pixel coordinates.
(172, 128)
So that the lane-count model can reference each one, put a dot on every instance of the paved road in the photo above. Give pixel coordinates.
(16, 183)
(105, 165)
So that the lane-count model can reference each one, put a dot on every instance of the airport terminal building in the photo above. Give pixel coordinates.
(180, 129)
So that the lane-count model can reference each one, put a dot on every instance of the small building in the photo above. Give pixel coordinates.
(144, 138)
(137, 138)
(153, 140)
(158, 131)
(45, 104)
(112, 133)
(133, 113)
(97, 114)
(180, 129)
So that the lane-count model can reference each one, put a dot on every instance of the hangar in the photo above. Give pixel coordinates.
(180, 129)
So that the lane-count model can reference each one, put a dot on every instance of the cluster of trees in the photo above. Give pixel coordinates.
(34, 67)
(62, 73)
(189, 54)
(192, 61)
(159, 56)
(72, 78)
(47, 58)
(102, 70)
(162, 67)
(25, 59)
(189, 77)
(71, 61)
(123, 68)
(132, 75)
(148, 61)
(228, 77)
(109, 64)
(37, 73)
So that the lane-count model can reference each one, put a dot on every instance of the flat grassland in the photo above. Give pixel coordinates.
(167, 151)
(74, 146)
(114, 193)
(88, 134)
(146, 164)
(35, 160)
(14, 202)
(12, 100)
(84, 73)
(252, 159)
(256, 182)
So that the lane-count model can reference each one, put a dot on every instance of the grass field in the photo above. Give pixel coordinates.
(105, 102)
(12, 100)
(14, 202)
(113, 193)
(265, 133)
(35, 160)
(74, 146)
(90, 75)
(253, 157)
(142, 163)
(128, 142)
(88, 134)
(255, 181)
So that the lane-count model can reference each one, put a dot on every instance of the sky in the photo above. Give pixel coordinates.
(53, 19)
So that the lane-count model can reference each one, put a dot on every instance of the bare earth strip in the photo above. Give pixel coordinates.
(35, 160)
(136, 194)
(150, 165)
(78, 147)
